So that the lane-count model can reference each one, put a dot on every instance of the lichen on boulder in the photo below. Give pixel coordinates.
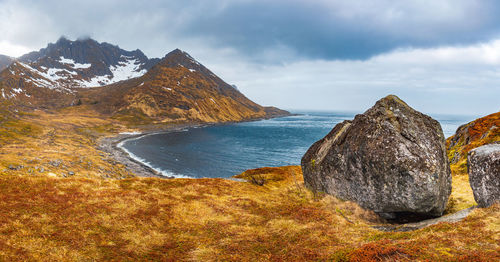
(391, 159)
(483, 164)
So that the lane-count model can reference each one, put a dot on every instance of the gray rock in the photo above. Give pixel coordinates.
(71, 173)
(13, 167)
(55, 163)
(391, 159)
(483, 164)
(451, 218)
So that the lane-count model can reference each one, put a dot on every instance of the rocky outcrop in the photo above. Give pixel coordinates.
(391, 159)
(483, 165)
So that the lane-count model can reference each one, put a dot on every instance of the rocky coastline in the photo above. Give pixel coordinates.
(110, 144)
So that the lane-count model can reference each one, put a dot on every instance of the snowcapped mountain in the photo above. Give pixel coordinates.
(124, 84)
(83, 63)
(5, 61)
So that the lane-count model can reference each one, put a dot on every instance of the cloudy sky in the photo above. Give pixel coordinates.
(439, 56)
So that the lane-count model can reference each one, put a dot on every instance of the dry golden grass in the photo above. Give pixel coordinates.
(85, 217)
(58, 143)
(47, 219)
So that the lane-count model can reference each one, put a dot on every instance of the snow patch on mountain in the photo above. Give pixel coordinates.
(38, 81)
(126, 70)
(130, 68)
(73, 64)
(95, 81)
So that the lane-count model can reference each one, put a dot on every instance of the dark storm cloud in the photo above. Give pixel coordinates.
(327, 29)
(331, 30)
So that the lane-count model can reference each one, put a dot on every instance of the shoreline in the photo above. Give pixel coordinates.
(111, 145)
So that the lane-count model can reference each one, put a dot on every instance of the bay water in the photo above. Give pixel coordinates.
(227, 150)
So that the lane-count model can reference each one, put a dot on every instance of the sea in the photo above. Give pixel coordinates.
(227, 150)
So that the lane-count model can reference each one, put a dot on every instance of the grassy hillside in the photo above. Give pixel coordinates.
(479, 132)
(61, 199)
(57, 144)
(74, 219)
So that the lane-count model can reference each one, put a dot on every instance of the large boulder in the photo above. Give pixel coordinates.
(483, 164)
(390, 159)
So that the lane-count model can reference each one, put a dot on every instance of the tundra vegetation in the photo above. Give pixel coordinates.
(63, 199)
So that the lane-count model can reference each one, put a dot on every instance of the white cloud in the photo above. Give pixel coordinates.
(12, 50)
(478, 54)
(455, 80)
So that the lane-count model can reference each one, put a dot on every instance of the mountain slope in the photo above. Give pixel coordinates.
(177, 89)
(5, 61)
(484, 130)
(24, 87)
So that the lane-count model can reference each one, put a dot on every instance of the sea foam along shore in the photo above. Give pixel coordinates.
(113, 145)
(143, 161)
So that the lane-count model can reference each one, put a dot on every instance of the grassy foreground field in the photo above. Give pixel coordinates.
(83, 206)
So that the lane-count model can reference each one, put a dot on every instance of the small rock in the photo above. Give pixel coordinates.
(71, 173)
(55, 163)
(483, 164)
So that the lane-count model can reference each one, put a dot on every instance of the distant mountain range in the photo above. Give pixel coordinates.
(125, 84)
(5, 61)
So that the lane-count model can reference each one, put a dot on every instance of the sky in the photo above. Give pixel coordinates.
(439, 56)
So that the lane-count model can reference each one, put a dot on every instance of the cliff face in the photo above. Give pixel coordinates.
(125, 84)
(482, 131)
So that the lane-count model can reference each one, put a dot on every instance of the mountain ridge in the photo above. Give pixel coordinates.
(125, 84)
(86, 63)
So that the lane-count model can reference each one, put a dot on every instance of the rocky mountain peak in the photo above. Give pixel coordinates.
(178, 57)
(182, 60)
(85, 63)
